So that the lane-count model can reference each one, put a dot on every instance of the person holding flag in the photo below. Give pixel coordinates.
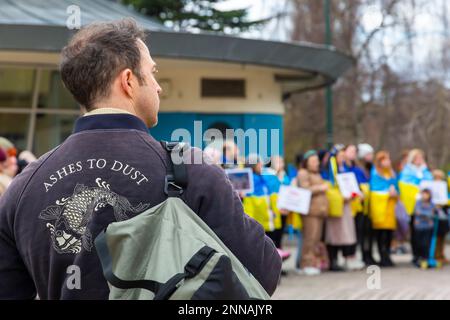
(340, 231)
(261, 204)
(414, 172)
(384, 194)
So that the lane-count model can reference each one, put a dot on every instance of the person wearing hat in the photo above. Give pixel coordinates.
(309, 178)
(359, 161)
(366, 155)
(365, 160)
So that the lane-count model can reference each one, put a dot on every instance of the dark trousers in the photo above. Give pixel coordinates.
(364, 236)
(384, 239)
(413, 238)
(333, 251)
(422, 242)
(277, 235)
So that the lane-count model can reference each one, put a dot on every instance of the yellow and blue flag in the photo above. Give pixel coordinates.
(382, 206)
(261, 204)
(409, 185)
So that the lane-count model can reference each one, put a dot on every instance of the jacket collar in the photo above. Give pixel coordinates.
(110, 121)
(105, 111)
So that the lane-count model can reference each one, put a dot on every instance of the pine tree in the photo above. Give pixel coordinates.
(196, 15)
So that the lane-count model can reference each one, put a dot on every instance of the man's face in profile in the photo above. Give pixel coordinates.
(147, 101)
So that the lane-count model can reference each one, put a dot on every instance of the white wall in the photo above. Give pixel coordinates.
(263, 94)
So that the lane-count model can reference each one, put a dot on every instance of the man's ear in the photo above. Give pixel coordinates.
(126, 82)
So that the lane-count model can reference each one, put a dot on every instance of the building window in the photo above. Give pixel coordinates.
(16, 87)
(223, 88)
(53, 94)
(51, 130)
(36, 111)
(14, 127)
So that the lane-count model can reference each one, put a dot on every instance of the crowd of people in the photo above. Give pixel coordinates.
(11, 162)
(392, 212)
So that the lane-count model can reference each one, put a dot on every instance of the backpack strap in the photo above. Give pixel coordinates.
(176, 175)
(191, 269)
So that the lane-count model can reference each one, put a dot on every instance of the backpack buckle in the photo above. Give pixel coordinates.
(171, 188)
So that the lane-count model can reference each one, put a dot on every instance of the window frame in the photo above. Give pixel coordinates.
(242, 94)
(35, 110)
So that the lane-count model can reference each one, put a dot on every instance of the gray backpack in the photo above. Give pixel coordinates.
(168, 252)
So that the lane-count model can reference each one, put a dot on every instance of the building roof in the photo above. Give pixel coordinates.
(54, 12)
(40, 25)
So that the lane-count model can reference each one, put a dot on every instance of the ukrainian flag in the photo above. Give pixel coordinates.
(294, 220)
(335, 199)
(365, 188)
(382, 206)
(409, 185)
(261, 205)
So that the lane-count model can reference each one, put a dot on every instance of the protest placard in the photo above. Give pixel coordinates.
(348, 185)
(439, 192)
(241, 179)
(294, 199)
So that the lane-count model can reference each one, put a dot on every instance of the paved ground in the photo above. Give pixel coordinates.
(402, 282)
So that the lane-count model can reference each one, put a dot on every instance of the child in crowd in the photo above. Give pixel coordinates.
(423, 227)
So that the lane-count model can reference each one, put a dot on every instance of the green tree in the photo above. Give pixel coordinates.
(196, 15)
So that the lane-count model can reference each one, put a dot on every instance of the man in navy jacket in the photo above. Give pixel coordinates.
(109, 169)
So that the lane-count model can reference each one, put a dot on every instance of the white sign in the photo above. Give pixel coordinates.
(294, 199)
(438, 190)
(348, 185)
(241, 179)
